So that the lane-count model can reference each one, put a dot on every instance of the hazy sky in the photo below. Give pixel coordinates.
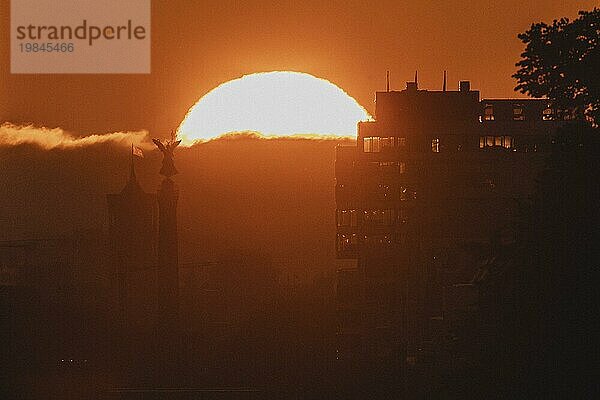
(197, 45)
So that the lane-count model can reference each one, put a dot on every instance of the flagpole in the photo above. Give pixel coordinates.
(131, 155)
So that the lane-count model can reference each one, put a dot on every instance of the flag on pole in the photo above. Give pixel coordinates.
(136, 151)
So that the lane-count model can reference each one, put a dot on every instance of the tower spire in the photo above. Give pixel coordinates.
(416, 79)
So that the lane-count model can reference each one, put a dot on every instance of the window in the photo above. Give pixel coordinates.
(378, 240)
(347, 218)
(568, 115)
(387, 142)
(402, 216)
(372, 144)
(401, 167)
(383, 191)
(400, 238)
(488, 112)
(347, 242)
(380, 217)
(496, 141)
(376, 144)
(387, 167)
(548, 114)
(489, 184)
(435, 145)
(518, 114)
(407, 194)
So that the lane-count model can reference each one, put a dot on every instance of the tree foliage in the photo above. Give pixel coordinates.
(561, 61)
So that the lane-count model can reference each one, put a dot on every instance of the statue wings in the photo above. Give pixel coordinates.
(169, 145)
(159, 144)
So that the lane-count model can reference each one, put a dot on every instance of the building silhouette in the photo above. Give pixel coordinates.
(430, 181)
(133, 225)
(168, 275)
(168, 325)
(37, 306)
(144, 255)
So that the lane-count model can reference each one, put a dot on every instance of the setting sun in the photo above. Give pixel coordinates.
(278, 103)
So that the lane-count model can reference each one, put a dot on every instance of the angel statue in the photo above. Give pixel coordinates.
(168, 165)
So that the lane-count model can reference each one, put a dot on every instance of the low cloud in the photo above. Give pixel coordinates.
(245, 135)
(57, 138)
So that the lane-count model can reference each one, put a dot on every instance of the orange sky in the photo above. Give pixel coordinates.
(198, 44)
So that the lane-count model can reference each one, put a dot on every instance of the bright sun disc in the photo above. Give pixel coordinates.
(277, 103)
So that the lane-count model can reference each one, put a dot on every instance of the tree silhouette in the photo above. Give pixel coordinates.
(542, 310)
(561, 61)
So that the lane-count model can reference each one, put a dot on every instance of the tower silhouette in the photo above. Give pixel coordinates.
(168, 271)
(168, 328)
(132, 236)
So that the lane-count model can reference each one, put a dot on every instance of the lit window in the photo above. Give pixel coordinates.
(402, 167)
(372, 144)
(401, 142)
(435, 145)
(518, 114)
(567, 115)
(346, 242)
(488, 112)
(489, 184)
(548, 114)
(407, 194)
(495, 141)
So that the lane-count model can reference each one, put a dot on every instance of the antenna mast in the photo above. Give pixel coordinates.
(444, 87)
(387, 81)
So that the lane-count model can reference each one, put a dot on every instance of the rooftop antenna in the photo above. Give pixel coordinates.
(444, 87)
(416, 79)
(387, 81)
